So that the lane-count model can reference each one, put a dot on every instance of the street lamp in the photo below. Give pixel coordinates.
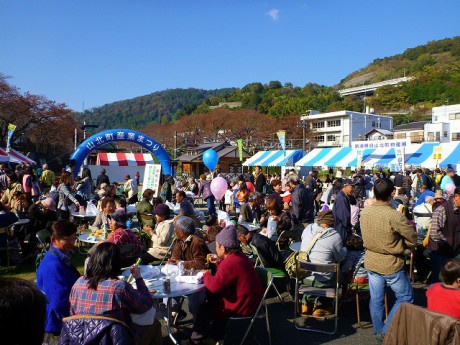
(304, 125)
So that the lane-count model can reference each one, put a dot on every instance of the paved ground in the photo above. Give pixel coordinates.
(284, 333)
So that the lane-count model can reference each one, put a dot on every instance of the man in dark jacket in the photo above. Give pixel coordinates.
(302, 202)
(260, 180)
(342, 209)
(268, 253)
(102, 178)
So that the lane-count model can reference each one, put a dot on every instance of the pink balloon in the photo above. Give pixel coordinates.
(219, 187)
(250, 186)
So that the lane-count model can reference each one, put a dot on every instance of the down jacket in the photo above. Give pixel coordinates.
(84, 330)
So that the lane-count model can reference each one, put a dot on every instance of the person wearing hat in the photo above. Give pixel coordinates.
(327, 249)
(444, 243)
(342, 209)
(102, 178)
(162, 234)
(234, 290)
(131, 189)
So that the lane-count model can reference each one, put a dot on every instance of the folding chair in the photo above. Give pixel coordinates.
(277, 273)
(169, 251)
(331, 293)
(44, 240)
(266, 278)
(362, 287)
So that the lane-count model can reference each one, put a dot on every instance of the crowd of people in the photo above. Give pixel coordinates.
(361, 219)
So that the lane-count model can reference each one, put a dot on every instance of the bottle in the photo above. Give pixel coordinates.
(254, 222)
(129, 223)
(104, 231)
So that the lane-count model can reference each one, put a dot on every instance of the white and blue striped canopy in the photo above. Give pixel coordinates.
(332, 157)
(276, 158)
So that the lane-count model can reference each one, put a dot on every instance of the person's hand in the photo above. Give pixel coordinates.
(135, 271)
(263, 231)
(213, 258)
(148, 229)
(276, 218)
(77, 204)
(172, 261)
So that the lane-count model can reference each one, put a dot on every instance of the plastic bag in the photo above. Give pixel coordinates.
(271, 227)
(91, 209)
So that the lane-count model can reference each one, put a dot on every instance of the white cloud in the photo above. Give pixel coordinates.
(274, 14)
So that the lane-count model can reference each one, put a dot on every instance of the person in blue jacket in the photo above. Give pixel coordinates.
(56, 275)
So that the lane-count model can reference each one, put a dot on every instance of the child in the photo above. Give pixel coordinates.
(228, 198)
(445, 297)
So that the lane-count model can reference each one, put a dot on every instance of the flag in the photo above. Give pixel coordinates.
(11, 129)
(282, 138)
(240, 148)
(359, 159)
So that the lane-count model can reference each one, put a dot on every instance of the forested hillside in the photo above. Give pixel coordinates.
(159, 107)
(434, 67)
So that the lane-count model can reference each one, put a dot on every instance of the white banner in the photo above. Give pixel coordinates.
(152, 178)
(375, 144)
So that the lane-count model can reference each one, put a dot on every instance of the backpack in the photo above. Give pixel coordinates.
(267, 189)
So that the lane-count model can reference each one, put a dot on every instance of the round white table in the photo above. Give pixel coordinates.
(295, 247)
(83, 215)
(177, 289)
(250, 226)
(90, 238)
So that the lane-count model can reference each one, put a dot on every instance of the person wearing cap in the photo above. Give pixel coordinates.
(234, 290)
(327, 249)
(451, 177)
(444, 243)
(102, 178)
(121, 235)
(268, 252)
(131, 189)
(342, 209)
(162, 234)
(386, 234)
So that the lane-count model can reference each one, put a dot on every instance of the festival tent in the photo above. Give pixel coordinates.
(421, 154)
(332, 157)
(276, 158)
(124, 159)
(15, 157)
(450, 154)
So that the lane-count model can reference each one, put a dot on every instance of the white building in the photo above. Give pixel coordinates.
(340, 128)
(445, 124)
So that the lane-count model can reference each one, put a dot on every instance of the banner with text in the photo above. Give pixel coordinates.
(376, 144)
(152, 174)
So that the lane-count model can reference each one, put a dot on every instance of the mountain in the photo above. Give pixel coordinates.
(433, 67)
(158, 107)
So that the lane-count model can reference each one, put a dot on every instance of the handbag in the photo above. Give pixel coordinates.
(290, 264)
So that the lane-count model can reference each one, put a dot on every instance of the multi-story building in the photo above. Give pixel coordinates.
(445, 124)
(340, 128)
(412, 130)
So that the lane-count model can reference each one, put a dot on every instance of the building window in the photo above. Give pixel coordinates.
(444, 134)
(455, 136)
(373, 123)
(435, 118)
(333, 123)
(319, 138)
(318, 125)
(331, 138)
(455, 116)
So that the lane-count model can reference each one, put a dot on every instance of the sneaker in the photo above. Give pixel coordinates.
(322, 312)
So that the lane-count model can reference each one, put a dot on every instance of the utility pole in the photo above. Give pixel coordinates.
(175, 144)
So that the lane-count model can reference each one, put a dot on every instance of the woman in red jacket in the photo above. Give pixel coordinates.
(235, 289)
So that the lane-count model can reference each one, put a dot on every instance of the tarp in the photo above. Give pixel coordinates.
(274, 158)
(124, 159)
(450, 154)
(15, 157)
(332, 157)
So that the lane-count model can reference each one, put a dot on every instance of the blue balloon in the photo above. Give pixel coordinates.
(210, 159)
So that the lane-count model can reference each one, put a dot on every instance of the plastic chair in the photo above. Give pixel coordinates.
(332, 293)
(277, 273)
(44, 240)
(266, 277)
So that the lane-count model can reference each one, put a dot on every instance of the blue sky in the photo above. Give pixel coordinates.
(103, 51)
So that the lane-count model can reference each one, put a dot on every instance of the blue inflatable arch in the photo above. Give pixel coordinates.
(129, 135)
